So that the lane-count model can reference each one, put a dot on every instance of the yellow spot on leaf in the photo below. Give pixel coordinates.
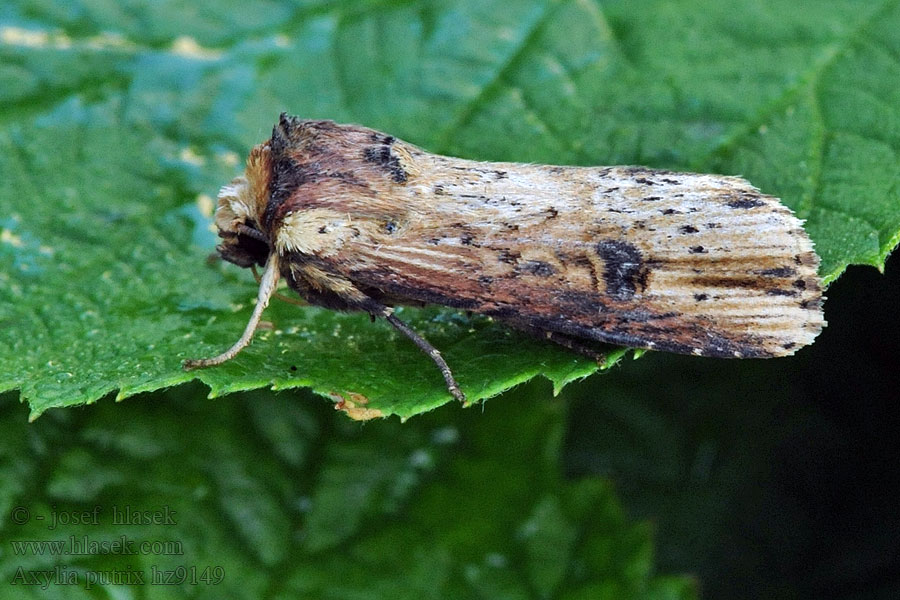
(8, 237)
(34, 38)
(229, 158)
(108, 39)
(354, 405)
(37, 38)
(205, 204)
(16, 36)
(188, 155)
(188, 47)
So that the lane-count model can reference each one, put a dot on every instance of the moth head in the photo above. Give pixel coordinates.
(240, 212)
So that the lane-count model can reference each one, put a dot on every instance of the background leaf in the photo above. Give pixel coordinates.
(311, 505)
(122, 123)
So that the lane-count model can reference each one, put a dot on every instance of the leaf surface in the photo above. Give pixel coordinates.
(119, 126)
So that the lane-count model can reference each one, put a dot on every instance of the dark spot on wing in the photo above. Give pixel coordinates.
(746, 203)
(812, 304)
(689, 229)
(698, 250)
(537, 267)
(382, 139)
(778, 272)
(727, 282)
(623, 268)
(807, 258)
(382, 156)
(780, 292)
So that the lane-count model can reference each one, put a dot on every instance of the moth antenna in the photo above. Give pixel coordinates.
(267, 287)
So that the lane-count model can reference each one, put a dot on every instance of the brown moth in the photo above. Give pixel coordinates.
(354, 219)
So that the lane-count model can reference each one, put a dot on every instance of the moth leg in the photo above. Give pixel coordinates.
(267, 286)
(333, 290)
(575, 346)
(566, 342)
(428, 349)
(276, 295)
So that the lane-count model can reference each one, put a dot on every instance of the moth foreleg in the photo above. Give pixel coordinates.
(422, 343)
(268, 283)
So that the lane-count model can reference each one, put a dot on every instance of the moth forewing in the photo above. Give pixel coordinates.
(695, 264)
(688, 263)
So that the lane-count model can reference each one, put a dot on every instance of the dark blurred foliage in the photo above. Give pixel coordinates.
(767, 479)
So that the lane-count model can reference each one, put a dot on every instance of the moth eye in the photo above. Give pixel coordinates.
(390, 227)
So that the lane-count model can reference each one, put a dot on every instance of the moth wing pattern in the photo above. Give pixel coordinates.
(687, 263)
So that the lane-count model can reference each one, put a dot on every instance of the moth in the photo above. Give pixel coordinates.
(357, 220)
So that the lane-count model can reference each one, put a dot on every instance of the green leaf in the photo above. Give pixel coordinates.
(377, 512)
(119, 126)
